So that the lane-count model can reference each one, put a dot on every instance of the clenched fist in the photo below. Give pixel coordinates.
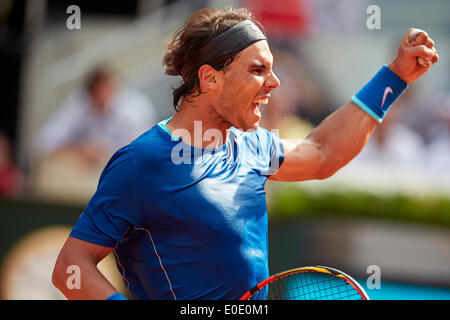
(415, 45)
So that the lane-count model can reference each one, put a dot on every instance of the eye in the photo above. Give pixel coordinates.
(258, 71)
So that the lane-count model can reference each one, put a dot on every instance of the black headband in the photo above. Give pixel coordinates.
(234, 39)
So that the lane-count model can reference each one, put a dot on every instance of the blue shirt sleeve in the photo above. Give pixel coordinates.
(264, 151)
(276, 150)
(114, 206)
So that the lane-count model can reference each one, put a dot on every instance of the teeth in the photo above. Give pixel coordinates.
(262, 101)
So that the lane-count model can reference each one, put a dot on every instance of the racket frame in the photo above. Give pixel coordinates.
(319, 269)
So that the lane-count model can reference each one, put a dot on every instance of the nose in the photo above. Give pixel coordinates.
(272, 81)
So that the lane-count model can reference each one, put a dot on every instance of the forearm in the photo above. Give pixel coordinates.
(341, 136)
(84, 282)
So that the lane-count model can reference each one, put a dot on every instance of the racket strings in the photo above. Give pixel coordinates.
(312, 286)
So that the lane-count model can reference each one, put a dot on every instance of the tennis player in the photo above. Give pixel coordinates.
(183, 207)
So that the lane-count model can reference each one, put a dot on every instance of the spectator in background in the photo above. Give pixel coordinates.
(10, 175)
(97, 120)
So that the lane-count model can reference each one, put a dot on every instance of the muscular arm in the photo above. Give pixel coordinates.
(329, 147)
(343, 134)
(85, 255)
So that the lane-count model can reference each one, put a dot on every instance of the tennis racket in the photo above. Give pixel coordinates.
(308, 283)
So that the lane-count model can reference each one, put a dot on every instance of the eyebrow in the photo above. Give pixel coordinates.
(258, 65)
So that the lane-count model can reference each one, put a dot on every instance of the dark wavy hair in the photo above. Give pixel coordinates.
(182, 51)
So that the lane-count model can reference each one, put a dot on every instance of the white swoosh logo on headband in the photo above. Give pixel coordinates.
(386, 91)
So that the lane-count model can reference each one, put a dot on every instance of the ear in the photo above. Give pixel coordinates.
(208, 78)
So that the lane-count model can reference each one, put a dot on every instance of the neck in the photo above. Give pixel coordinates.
(199, 125)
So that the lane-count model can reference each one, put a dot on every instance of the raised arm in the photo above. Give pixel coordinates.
(343, 134)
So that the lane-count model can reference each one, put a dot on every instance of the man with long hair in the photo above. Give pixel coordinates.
(183, 207)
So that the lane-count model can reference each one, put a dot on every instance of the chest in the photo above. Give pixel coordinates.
(205, 199)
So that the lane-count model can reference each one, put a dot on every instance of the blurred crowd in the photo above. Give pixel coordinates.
(96, 120)
(105, 114)
(93, 122)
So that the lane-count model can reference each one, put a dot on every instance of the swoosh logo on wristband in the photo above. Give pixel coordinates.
(386, 91)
